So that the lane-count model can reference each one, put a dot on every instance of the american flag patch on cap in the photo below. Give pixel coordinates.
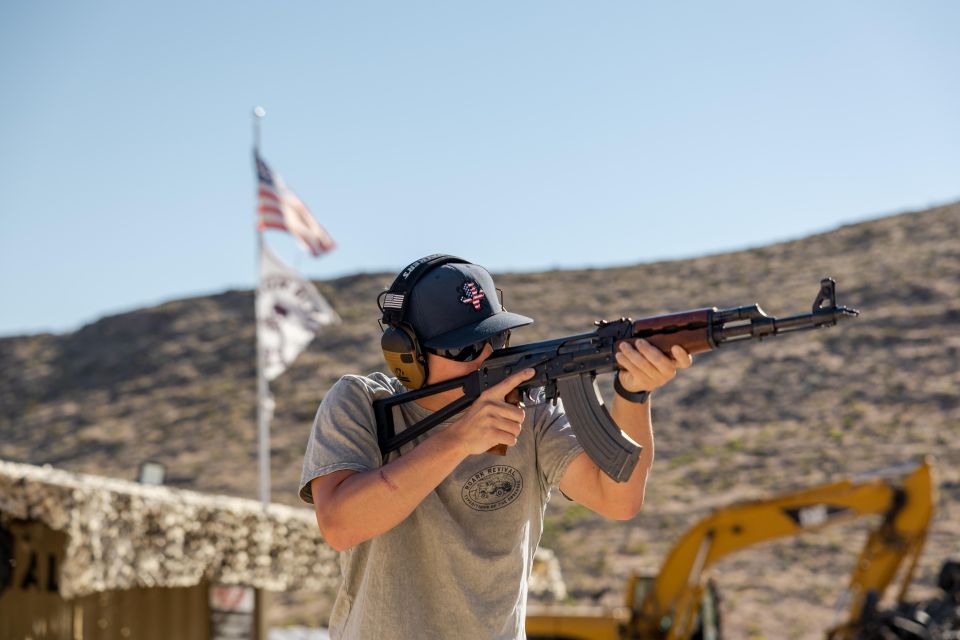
(393, 301)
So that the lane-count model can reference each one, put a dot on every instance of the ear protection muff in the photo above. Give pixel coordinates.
(403, 356)
(401, 348)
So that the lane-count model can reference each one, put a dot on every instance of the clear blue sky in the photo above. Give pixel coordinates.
(521, 135)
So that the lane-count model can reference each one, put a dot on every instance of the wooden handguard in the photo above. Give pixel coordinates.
(689, 329)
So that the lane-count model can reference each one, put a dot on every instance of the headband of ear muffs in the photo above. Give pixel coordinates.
(401, 348)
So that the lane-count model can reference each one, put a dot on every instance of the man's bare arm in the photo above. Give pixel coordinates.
(645, 368)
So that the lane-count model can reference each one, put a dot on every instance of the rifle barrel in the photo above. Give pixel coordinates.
(762, 326)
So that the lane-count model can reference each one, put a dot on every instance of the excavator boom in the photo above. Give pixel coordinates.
(679, 602)
(903, 496)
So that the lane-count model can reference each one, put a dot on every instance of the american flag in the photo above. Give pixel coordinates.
(393, 301)
(472, 295)
(279, 208)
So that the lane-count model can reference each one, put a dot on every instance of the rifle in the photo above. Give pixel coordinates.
(567, 368)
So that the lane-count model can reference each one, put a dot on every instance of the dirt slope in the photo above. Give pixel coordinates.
(176, 383)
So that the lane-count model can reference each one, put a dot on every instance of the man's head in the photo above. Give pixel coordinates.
(445, 306)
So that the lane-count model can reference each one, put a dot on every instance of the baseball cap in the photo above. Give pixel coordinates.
(456, 304)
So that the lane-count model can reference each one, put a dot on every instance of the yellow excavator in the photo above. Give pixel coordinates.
(680, 602)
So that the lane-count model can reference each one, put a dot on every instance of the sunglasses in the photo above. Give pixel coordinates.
(472, 351)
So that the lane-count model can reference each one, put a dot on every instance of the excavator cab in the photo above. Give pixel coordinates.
(706, 625)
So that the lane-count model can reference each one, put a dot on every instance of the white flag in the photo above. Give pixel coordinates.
(290, 312)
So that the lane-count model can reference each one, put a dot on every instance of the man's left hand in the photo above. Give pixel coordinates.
(645, 367)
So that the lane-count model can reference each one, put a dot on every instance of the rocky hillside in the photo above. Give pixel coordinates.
(176, 384)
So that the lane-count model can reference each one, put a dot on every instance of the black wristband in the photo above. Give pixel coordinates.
(640, 397)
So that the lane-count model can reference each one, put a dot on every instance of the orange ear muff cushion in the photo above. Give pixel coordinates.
(402, 356)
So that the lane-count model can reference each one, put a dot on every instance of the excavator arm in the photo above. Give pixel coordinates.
(903, 496)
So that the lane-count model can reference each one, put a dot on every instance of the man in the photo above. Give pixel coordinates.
(438, 541)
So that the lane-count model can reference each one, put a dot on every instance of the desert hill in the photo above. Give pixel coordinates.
(176, 383)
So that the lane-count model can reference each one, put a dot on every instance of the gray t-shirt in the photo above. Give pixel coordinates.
(458, 566)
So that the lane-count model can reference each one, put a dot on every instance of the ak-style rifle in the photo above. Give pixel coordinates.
(567, 367)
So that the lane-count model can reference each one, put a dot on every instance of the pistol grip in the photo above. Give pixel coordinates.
(513, 398)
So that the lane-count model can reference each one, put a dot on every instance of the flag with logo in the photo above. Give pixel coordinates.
(279, 208)
(290, 312)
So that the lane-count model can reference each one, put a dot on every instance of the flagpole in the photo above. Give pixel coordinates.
(258, 114)
(264, 411)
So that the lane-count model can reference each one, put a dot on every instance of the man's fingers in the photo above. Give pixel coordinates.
(505, 424)
(503, 436)
(511, 433)
(681, 357)
(649, 360)
(632, 359)
(501, 431)
(657, 358)
(650, 367)
(494, 410)
(508, 384)
(505, 411)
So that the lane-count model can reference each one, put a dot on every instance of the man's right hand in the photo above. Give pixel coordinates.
(491, 420)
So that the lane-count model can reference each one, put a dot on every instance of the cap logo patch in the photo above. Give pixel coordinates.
(472, 294)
